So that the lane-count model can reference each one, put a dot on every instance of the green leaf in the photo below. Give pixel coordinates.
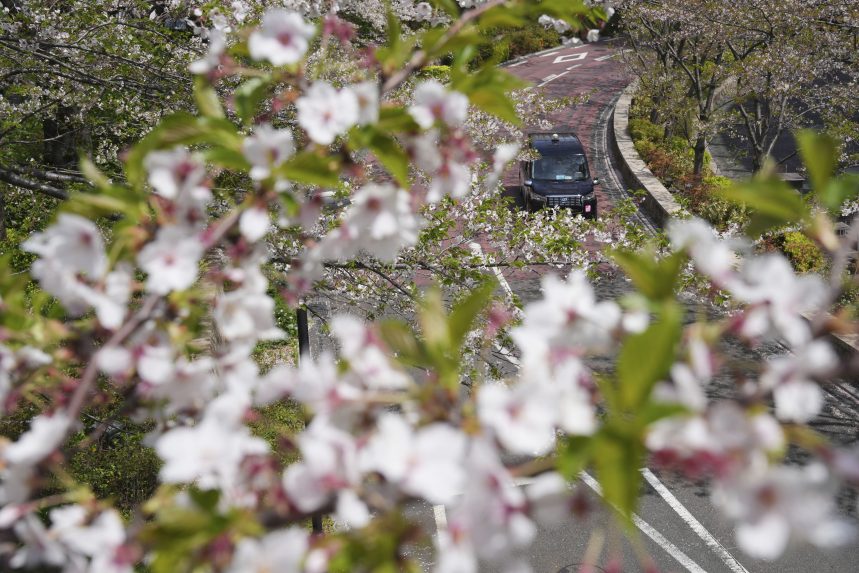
(839, 190)
(465, 311)
(227, 158)
(207, 99)
(93, 174)
(396, 119)
(574, 453)
(248, 96)
(820, 156)
(654, 278)
(386, 149)
(773, 204)
(402, 341)
(617, 460)
(647, 357)
(448, 6)
(312, 169)
(180, 128)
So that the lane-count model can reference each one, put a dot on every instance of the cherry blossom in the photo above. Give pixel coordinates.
(523, 417)
(329, 464)
(368, 359)
(367, 94)
(37, 443)
(282, 38)
(426, 463)
(781, 504)
(281, 550)
(215, 53)
(170, 260)
(433, 102)
(210, 453)
(326, 112)
(714, 257)
(177, 174)
(568, 316)
(246, 315)
(777, 298)
(267, 148)
(379, 221)
(798, 398)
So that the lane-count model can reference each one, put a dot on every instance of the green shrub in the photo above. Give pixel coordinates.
(508, 43)
(803, 253)
(440, 73)
(643, 130)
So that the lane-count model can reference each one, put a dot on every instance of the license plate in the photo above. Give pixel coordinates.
(587, 208)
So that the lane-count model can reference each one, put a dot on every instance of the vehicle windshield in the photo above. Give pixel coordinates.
(561, 168)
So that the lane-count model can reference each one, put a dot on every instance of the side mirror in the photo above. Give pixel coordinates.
(596, 181)
(528, 183)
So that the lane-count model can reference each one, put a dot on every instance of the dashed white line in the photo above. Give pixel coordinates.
(440, 515)
(607, 57)
(649, 531)
(573, 67)
(518, 64)
(552, 78)
(729, 560)
(550, 54)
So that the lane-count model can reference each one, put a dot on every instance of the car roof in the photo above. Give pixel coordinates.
(549, 142)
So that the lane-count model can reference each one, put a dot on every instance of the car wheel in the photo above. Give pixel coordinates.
(593, 213)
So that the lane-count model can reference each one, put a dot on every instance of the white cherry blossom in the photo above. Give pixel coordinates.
(46, 433)
(433, 102)
(281, 551)
(326, 112)
(798, 398)
(267, 148)
(368, 359)
(282, 38)
(212, 59)
(382, 218)
(177, 174)
(210, 453)
(329, 464)
(367, 95)
(171, 260)
(428, 462)
(783, 504)
(522, 417)
(245, 315)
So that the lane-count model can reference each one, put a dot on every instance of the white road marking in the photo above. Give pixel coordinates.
(550, 53)
(649, 531)
(729, 560)
(573, 67)
(518, 64)
(608, 57)
(570, 57)
(552, 78)
(440, 516)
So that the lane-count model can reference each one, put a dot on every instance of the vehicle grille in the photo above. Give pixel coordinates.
(564, 200)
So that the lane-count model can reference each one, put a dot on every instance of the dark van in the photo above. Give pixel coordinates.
(560, 177)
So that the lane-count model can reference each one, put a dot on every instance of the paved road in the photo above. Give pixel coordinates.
(677, 525)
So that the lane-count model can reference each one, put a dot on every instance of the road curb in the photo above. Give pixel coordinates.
(658, 202)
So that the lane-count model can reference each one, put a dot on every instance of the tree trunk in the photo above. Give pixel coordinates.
(700, 150)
